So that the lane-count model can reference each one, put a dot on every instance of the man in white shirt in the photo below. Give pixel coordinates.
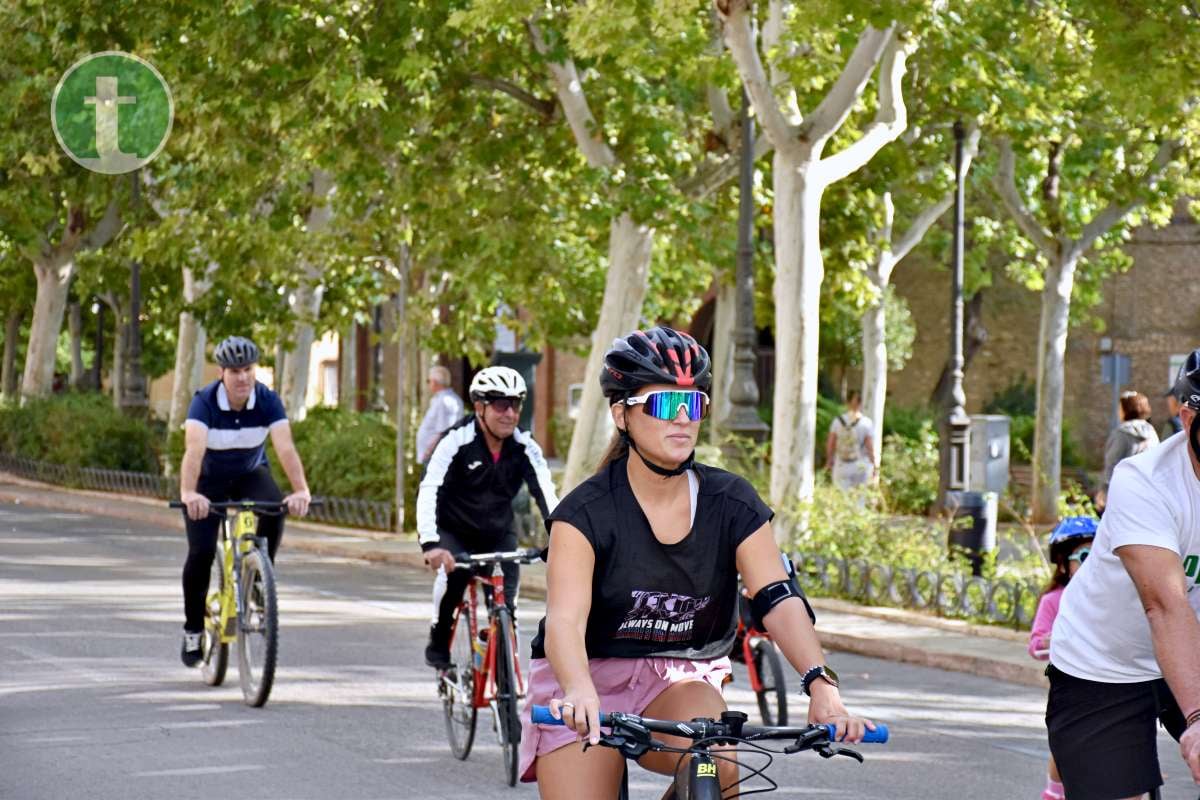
(1125, 648)
(445, 409)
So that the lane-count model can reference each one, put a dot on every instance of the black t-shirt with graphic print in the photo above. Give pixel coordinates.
(655, 599)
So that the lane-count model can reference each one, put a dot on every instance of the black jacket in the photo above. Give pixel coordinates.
(467, 494)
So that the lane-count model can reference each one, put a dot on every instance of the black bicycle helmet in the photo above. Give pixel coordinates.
(236, 351)
(1187, 382)
(659, 355)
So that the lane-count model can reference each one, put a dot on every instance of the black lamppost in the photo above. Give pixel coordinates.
(955, 464)
(98, 361)
(378, 403)
(743, 389)
(133, 394)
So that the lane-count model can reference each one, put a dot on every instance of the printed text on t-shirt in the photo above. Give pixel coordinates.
(661, 616)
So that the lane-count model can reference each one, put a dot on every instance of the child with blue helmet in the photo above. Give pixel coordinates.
(1070, 543)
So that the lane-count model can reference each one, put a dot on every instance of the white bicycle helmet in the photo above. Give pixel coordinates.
(497, 382)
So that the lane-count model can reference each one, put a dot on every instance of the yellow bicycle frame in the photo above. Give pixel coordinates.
(245, 526)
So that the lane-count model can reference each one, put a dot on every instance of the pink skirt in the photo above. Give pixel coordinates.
(623, 684)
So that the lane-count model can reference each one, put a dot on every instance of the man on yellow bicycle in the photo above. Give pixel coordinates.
(465, 500)
(225, 459)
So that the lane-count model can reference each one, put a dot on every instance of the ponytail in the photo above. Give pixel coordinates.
(618, 448)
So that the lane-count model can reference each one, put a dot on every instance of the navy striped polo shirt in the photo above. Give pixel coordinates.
(237, 440)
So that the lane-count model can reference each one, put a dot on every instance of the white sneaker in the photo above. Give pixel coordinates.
(191, 653)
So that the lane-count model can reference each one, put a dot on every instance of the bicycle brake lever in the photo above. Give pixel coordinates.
(630, 748)
(829, 751)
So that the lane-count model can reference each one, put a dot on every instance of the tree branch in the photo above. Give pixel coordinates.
(837, 104)
(772, 39)
(712, 175)
(724, 118)
(1113, 214)
(924, 221)
(569, 90)
(108, 226)
(740, 38)
(891, 117)
(1005, 184)
(546, 108)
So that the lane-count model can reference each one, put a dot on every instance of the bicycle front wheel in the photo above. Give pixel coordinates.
(258, 629)
(456, 686)
(215, 652)
(507, 711)
(772, 693)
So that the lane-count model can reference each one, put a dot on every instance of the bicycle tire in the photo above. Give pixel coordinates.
(456, 686)
(772, 697)
(507, 708)
(215, 653)
(258, 629)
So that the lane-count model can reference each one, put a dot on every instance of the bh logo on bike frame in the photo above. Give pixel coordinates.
(112, 112)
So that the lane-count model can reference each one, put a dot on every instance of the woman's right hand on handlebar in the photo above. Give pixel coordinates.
(197, 505)
(580, 710)
(440, 557)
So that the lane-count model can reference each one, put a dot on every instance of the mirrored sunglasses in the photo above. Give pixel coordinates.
(666, 404)
(1080, 555)
(503, 404)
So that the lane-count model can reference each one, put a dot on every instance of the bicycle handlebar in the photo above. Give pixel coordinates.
(265, 506)
(698, 729)
(524, 555)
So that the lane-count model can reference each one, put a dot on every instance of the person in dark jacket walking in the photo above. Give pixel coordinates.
(1133, 435)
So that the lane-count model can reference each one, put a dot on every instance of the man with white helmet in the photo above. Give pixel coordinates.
(465, 500)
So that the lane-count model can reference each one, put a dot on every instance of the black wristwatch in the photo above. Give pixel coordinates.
(821, 671)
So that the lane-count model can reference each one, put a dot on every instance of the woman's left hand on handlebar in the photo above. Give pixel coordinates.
(581, 713)
(825, 708)
(297, 503)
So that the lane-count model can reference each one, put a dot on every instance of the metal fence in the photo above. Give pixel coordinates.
(348, 511)
(1004, 601)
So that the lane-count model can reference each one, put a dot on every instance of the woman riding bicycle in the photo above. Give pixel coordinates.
(642, 581)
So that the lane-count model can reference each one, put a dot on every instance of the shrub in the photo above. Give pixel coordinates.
(1018, 399)
(907, 422)
(80, 430)
(910, 471)
(1021, 430)
(345, 454)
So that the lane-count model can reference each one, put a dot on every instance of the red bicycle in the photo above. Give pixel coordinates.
(764, 666)
(485, 670)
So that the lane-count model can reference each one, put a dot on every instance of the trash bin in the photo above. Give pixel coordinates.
(972, 526)
(989, 453)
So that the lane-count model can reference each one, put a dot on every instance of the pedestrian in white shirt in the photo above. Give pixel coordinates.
(1123, 647)
(445, 409)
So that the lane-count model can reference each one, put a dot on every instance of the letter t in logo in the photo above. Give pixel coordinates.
(106, 101)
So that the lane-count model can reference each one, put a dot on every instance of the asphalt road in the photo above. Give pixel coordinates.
(94, 702)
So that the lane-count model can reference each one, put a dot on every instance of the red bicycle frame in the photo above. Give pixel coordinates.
(749, 636)
(485, 674)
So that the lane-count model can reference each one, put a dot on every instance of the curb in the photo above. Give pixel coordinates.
(533, 585)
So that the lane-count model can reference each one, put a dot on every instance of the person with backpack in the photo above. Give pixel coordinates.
(1132, 436)
(850, 447)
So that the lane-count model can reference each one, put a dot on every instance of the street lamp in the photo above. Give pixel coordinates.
(956, 429)
(378, 403)
(743, 389)
(133, 394)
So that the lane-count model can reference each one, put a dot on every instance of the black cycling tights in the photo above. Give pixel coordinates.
(202, 535)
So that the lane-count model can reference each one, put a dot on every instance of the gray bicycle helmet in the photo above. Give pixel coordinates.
(236, 351)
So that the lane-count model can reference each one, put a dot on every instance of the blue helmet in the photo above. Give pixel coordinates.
(1067, 533)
